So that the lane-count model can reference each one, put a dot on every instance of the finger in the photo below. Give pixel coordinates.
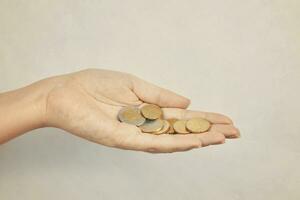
(211, 138)
(229, 131)
(134, 139)
(175, 143)
(150, 93)
(168, 143)
(182, 114)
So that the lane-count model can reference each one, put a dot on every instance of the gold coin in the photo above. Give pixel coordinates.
(151, 111)
(131, 115)
(197, 125)
(165, 128)
(171, 121)
(179, 127)
(151, 126)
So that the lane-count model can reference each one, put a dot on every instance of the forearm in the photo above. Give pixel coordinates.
(21, 110)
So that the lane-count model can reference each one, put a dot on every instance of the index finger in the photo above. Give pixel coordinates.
(183, 113)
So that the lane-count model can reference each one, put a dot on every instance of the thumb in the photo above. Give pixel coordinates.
(151, 93)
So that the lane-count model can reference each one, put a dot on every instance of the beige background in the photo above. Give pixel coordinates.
(237, 57)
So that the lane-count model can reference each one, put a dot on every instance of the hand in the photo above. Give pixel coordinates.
(86, 103)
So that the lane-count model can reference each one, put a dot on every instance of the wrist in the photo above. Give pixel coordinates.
(43, 90)
(24, 109)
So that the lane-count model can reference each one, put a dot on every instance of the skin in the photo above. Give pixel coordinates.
(86, 104)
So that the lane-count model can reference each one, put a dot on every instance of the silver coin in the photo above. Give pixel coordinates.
(131, 115)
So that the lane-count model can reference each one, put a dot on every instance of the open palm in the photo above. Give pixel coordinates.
(86, 103)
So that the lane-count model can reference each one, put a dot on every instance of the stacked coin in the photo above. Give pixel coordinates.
(149, 119)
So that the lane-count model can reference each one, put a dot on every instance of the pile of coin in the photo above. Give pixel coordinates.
(149, 118)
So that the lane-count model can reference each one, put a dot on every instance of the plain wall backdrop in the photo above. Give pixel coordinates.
(236, 57)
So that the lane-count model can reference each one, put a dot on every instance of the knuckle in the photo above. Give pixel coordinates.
(158, 97)
(221, 138)
(197, 144)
